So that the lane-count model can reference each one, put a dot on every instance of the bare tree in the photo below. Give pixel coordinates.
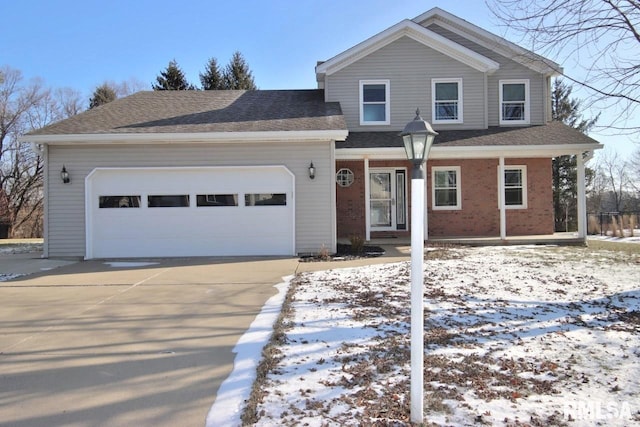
(25, 106)
(604, 36)
(615, 179)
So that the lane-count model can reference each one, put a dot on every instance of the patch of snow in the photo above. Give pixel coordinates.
(4, 277)
(234, 391)
(513, 335)
(129, 264)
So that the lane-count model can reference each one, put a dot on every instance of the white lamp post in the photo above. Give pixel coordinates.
(418, 137)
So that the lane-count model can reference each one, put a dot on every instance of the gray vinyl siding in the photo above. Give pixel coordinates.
(314, 200)
(509, 69)
(409, 66)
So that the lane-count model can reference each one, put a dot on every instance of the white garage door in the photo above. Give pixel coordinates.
(169, 212)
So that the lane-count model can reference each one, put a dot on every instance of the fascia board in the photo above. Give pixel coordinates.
(486, 152)
(417, 32)
(491, 41)
(204, 137)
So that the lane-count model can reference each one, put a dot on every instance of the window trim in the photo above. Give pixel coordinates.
(434, 81)
(524, 204)
(527, 97)
(387, 103)
(458, 171)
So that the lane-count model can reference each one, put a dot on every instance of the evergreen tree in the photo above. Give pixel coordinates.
(565, 176)
(237, 74)
(172, 79)
(102, 95)
(211, 79)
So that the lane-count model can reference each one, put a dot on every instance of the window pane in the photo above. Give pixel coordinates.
(513, 111)
(446, 110)
(119, 202)
(217, 200)
(445, 179)
(446, 91)
(381, 213)
(168, 201)
(513, 92)
(265, 199)
(374, 93)
(374, 112)
(446, 197)
(513, 178)
(513, 196)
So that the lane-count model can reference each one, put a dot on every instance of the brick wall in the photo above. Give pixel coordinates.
(480, 215)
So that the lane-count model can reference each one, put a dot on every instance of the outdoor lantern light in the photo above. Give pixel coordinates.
(312, 171)
(65, 175)
(417, 137)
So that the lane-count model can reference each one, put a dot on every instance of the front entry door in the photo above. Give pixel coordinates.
(387, 200)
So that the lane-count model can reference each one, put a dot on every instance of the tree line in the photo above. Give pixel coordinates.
(236, 75)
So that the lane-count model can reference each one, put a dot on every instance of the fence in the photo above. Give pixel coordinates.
(614, 224)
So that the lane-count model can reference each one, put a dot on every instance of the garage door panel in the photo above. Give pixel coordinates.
(195, 230)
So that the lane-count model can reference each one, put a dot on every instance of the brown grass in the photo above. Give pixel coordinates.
(270, 358)
(624, 248)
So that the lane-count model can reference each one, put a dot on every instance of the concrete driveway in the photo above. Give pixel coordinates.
(93, 344)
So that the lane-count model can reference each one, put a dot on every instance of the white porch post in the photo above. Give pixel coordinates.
(367, 201)
(426, 204)
(582, 198)
(503, 208)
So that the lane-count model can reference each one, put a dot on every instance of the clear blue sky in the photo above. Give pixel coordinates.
(80, 44)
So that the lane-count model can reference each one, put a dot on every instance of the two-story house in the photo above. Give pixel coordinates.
(283, 172)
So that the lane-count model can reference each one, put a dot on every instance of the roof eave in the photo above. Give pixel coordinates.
(468, 152)
(196, 137)
(491, 41)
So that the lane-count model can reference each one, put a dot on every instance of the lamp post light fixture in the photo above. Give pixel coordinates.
(418, 136)
(64, 175)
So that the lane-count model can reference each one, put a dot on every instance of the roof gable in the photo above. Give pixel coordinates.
(488, 40)
(411, 29)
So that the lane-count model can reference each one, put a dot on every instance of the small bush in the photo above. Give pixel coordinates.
(594, 225)
(633, 223)
(324, 254)
(615, 230)
(357, 243)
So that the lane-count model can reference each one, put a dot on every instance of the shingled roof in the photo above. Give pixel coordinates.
(206, 111)
(553, 133)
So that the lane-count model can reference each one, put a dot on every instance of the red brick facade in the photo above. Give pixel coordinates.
(479, 216)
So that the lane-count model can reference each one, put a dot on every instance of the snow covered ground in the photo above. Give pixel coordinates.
(514, 336)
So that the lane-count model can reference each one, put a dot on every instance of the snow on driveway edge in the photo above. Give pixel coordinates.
(235, 390)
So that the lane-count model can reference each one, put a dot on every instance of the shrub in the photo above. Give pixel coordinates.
(594, 225)
(357, 243)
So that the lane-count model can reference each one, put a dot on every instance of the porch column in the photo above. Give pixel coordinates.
(426, 204)
(582, 198)
(503, 209)
(367, 202)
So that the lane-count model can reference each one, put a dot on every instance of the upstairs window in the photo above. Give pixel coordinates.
(374, 102)
(514, 102)
(447, 100)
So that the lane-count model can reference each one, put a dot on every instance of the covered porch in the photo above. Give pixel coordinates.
(477, 162)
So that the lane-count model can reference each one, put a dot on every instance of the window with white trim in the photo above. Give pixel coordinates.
(445, 190)
(446, 97)
(374, 102)
(514, 102)
(515, 187)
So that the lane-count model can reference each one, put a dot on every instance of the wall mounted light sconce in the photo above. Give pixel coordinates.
(312, 171)
(64, 175)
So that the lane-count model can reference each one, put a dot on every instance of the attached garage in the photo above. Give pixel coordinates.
(190, 211)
